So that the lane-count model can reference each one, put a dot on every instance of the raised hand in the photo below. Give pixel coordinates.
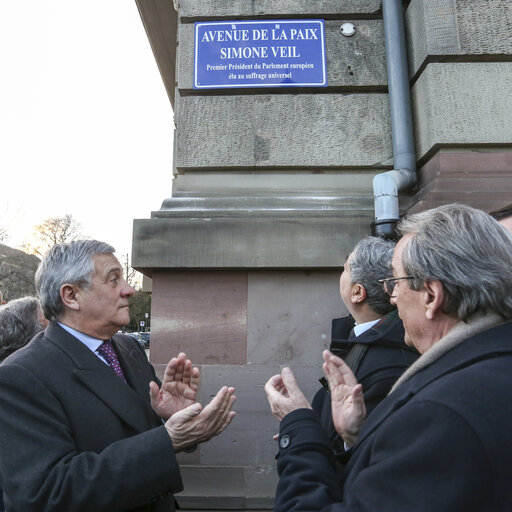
(195, 425)
(284, 395)
(179, 387)
(347, 401)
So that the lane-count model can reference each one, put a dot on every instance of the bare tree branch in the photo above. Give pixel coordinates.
(52, 231)
(131, 275)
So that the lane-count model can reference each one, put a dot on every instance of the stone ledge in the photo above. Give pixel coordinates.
(284, 206)
(225, 488)
(236, 183)
(272, 241)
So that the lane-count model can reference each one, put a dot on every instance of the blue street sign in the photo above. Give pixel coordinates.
(277, 53)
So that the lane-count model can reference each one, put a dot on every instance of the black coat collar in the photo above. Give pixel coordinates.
(389, 330)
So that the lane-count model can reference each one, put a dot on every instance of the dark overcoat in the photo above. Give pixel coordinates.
(378, 357)
(75, 437)
(440, 442)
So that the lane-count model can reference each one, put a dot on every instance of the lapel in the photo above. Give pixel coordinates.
(490, 343)
(135, 366)
(121, 398)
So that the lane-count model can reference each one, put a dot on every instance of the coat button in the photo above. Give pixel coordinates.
(284, 441)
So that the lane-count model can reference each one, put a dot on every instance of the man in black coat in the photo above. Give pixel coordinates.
(371, 339)
(84, 423)
(441, 440)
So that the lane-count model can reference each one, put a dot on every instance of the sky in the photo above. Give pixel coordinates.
(86, 126)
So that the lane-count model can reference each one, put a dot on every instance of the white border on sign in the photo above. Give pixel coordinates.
(216, 86)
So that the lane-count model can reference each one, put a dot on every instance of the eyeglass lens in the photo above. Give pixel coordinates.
(389, 286)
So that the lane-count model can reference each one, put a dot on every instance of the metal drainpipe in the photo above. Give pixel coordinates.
(387, 185)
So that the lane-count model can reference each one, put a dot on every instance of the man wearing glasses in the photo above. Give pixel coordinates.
(371, 339)
(441, 439)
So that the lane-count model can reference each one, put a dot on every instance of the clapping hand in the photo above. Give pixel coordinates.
(194, 424)
(179, 387)
(347, 401)
(284, 395)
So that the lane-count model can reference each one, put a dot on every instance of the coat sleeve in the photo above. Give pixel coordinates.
(424, 458)
(42, 469)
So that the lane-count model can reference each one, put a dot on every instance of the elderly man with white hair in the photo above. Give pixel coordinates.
(85, 424)
(441, 440)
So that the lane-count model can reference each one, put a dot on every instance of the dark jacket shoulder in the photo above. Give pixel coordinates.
(378, 357)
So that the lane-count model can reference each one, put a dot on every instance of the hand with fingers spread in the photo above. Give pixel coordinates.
(179, 387)
(347, 401)
(284, 395)
(194, 424)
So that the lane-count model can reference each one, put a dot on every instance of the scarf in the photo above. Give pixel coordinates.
(460, 332)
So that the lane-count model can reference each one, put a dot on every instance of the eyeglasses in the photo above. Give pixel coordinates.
(389, 283)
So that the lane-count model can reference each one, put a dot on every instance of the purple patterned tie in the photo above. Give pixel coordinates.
(108, 352)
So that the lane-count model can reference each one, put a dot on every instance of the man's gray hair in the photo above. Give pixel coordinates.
(467, 251)
(371, 261)
(19, 323)
(68, 263)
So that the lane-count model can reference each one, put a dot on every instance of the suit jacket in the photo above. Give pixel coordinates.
(377, 357)
(440, 442)
(75, 437)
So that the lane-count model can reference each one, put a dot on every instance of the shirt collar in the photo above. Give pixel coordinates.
(90, 342)
(360, 328)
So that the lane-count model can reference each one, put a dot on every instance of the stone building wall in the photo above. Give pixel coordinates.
(272, 189)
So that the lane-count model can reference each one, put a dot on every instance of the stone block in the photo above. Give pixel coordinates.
(357, 61)
(200, 313)
(237, 470)
(454, 29)
(285, 131)
(478, 177)
(289, 315)
(249, 438)
(462, 104)
(205, 9)
(266, 241)
(261, 482)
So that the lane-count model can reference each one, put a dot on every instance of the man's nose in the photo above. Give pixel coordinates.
(128, 289)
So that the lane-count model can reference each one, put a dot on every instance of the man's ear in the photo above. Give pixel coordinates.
(69, 294)
(434, 298)
(357, 293)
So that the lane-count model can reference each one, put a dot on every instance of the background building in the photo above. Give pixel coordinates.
(273, 187)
